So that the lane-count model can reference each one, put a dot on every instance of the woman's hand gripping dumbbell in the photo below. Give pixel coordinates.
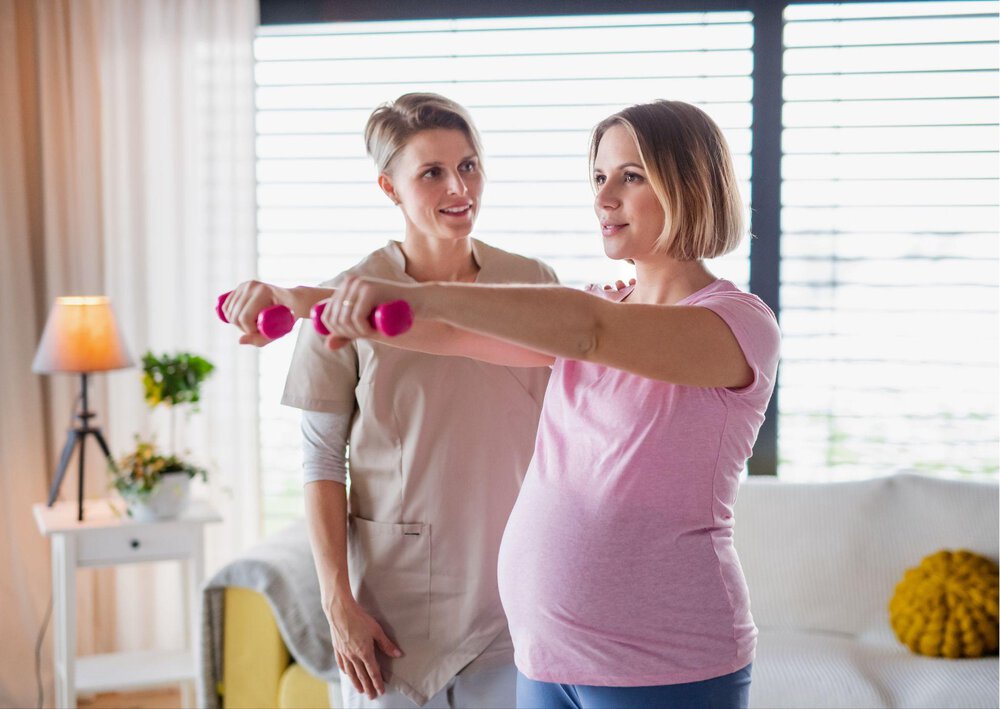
(272, 322)
(390, 319)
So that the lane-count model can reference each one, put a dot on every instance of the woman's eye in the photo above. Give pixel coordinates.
(632, 177)
(469, 166)
(600, 179)
(433, 172)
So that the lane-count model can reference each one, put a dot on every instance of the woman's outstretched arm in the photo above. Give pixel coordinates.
(429, 336)
(686, 345)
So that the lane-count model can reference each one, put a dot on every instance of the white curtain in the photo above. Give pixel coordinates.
(126, 169)
(178, 130)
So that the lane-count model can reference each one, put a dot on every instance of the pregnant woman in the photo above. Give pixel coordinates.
(618, 571)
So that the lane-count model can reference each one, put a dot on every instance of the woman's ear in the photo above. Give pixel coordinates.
(386, 184)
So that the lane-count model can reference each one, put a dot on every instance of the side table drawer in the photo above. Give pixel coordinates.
(127, 544)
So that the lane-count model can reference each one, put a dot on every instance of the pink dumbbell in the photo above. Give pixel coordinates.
(272, 323)
(390, 319)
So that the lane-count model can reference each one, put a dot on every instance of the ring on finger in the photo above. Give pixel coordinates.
(346, 303)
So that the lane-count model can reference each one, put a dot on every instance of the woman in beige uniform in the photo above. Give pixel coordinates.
(438, 446)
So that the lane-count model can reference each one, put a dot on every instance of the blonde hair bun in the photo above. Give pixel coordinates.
(392, 124)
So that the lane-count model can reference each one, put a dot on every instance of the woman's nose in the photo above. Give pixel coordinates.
(606, 197)
(456, 185)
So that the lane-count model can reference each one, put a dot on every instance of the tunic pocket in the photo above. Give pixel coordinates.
(390, 567)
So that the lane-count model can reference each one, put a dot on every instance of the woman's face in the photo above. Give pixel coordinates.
(631, 216)
(437, 183)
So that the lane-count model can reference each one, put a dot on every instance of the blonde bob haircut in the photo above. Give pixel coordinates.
(392, 124)
(688, 166)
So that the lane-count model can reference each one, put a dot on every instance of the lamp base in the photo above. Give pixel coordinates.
(78, 435)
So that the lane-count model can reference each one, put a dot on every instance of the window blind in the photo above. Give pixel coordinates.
(535, 87)
(889, 239)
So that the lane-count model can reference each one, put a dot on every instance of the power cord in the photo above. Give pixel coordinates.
(48, 609)
(38, 654)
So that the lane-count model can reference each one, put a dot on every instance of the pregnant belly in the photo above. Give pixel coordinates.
(566, 566)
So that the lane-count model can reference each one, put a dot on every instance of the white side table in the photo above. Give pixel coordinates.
(104, 539)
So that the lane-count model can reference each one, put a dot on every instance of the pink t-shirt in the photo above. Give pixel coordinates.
(617, 566)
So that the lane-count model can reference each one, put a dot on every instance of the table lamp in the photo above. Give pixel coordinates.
(80, 336)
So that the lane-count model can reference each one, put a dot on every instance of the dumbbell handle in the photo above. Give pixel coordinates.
(390, 319)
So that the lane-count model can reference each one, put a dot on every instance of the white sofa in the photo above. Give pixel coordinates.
(822, 561)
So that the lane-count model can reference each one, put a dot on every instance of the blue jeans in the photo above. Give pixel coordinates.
(727, 692)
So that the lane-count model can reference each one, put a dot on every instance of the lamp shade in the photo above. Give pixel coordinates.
(81, 335)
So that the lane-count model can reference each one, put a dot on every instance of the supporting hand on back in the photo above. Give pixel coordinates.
(620, 285)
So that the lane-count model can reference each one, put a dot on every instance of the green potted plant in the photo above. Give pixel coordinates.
(155, 484)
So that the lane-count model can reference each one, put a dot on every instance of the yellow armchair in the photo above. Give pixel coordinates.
(257, 670)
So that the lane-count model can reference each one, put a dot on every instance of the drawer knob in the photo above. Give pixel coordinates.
(134, 543)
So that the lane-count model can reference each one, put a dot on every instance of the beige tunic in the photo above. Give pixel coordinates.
(438, 449)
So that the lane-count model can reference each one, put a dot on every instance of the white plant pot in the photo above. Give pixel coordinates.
(168, 500)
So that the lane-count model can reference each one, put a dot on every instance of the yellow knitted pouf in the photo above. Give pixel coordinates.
(947, 606)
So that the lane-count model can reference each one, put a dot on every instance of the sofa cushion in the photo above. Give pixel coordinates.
(813, 669)
(300, 690)
(827, 556)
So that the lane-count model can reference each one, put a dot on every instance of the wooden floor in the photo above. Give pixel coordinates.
(169, 698)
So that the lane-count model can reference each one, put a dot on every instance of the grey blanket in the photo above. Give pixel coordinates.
(281, 569)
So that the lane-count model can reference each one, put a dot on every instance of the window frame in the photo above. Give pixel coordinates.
(766, 126)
